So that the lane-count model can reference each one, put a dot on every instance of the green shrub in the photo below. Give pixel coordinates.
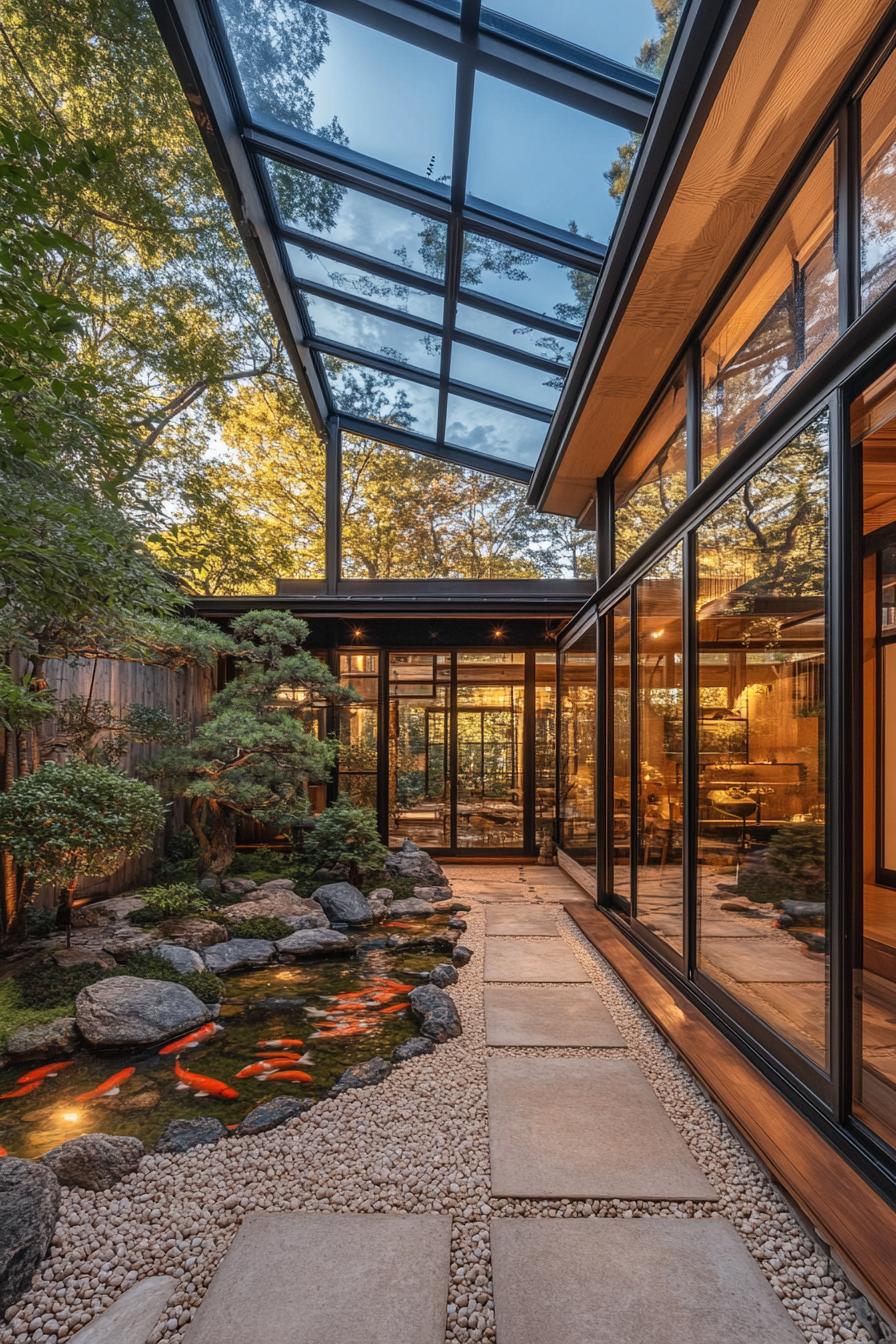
(50, 986)
(263, 860)
(40, 922)
(180, 862)
(262, 926)
(345, 842)
(204, 984)
(160, 903)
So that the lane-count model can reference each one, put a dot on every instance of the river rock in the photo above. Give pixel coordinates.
(116, 909)
(314, 943)
(94, 1161)
(48, 1040)
(368, 1073)
(279, 905)
(378, 908)
(272, 1113)
(127, 1010)
(276, 884)
(806, 912)
(411, 1048)
(29, 1205)
(461, 955)
(238, 886)
(442, 975)
(191, 931)
(238, 954)
(310, 921)
(435, 1011)
(124, 942)
(83, 956)
(183, 959)
(384, 894)
(413, 906)
(411, 861)
(455, 922)
(451, 906)
(179, 1136)
(343, 904)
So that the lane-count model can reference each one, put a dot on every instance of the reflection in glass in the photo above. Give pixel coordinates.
(507, 377)
(617, 31)
(358, 728)
(354, 219)
(761, 824)
(659, 889)
(419, 781)
(359, 390)
(545, 744)
(578, 735)
(490, 750)
(878, 202)
(780, 318)
(526, 280)
(372, 334)
(619, 746)
(492, 431)
(338, 275)
(652, 479)
(516, 335)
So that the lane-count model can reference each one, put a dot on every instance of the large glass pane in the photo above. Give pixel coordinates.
(323, 74)
(619, 730)
(490, 750)
(504, 376)
(652, 480)
(338, 275)
(780, 318)
(545, 744)
(513, 334)
(878, 208)
(578, 739)
(359, 390)
(659, 889)
(375, 335)
(419, 781)
(761, 822)
(493, 432)
(514, 160)
(526, 280)
(358, 728)
(617, 31)
(356, 220)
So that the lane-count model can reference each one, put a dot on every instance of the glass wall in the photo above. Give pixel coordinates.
(490, 691)
(619, 756)
(358, 728)
(761, 823)
(419, 775)
(652, 479)
(545, 745)
(878, 186)
(578, 742)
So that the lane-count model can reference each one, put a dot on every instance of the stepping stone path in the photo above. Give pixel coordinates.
(518, 920)
(548, 1015)
(545, 961)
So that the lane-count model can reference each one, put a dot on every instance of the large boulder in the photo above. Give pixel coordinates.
(49, 1040)
(272, 1113)
(274, 885)
(413, 906)
(124, 942)
(383, 894)
(435, 1011)
(179, 1136)
(315, 943)
(362, 1075)
(29, 1206)
(191, 931)
(238, 886)
(115, 910)
(343, 904)
(413, 862)
(94, 1161)
(183, 959)
(281, 904)
(63, 957)
(127, 1010)
(312, 920)
(238, 954)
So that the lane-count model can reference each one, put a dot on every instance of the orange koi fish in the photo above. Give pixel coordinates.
(45, 1071)
(394, 1008)
(20, 1091)
(203, 1086)
(290, 1076)
(193, 1039)
(257, 1070)
(278, 1054)
(398, 924)
(3, 1151)
(284, 1040)
(110, 1087)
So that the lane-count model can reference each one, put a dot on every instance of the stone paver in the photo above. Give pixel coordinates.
(327, 1278)
(631, 1281)
(520, 920)
(516, 960)
(132, 1317)
(548, 1015)
(584, 1129)
(764, 961)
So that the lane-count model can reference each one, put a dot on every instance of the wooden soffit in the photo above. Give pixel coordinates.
(788, 65)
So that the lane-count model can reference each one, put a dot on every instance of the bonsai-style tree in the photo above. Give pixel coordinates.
(346, 843)
(253, 756)
(67, 822)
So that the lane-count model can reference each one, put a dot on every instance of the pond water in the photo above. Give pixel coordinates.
(282, 1001)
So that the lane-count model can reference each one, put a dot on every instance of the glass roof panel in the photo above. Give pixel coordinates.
(355, 219)
(515, 164)
(507, 377)
(601, 26)
(493, 432)
(376, 335)
(512, 275)
(516, 335)
(324, 75)
(365, 392)
(338, 275)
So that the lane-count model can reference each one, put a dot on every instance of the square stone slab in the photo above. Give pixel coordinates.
(584, 1129)
(510, 920)
(631, 1281)
(518, 960)
(327, 1278)
(548, 1015)
(761, 960)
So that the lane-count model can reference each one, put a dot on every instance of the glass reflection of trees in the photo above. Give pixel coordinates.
(578, 739)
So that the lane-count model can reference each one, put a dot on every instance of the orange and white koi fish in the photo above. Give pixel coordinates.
(284, 1040)
(46, 1071)
(290, 1076)
(110, 1087)
(20, 1091)
(394, 1008)
(192, 1040)
(278, 1054)
(203, 1086)
(257, 1070)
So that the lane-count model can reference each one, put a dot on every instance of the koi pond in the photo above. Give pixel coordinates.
(329, 1015)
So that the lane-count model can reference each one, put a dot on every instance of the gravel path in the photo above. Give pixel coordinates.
(416, 1143)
